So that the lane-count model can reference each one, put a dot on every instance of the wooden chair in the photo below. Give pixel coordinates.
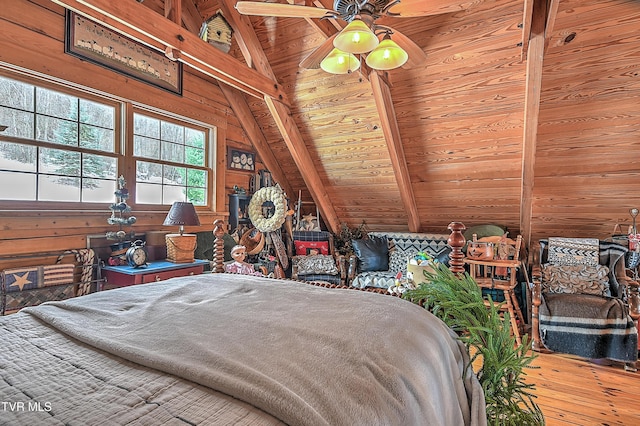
(496, 269)
(305, 245)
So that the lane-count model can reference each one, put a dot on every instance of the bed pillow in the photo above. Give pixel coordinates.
(304, 248)
(372, 253)
(576, 279)
(317, 264)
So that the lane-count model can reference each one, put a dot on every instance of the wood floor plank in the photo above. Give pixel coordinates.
(575, 391)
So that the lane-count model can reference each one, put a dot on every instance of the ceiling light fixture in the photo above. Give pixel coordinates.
(339, 62)
(387, 56)
(358, 38)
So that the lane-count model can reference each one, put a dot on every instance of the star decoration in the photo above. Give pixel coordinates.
(21, 281)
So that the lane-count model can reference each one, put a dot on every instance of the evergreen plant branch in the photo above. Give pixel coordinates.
(458, 301)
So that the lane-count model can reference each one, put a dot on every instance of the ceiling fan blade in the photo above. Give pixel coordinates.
(257, 8)
(313, 59)
(414, 8)
(417, 57)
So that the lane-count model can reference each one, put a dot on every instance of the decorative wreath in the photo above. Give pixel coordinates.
(276, 196)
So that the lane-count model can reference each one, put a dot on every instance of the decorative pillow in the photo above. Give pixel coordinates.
(398, 261)
(317, 264)
(580, 279)
(573, 251)
(304, 248)
(372, 253)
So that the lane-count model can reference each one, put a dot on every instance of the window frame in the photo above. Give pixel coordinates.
(123, 146)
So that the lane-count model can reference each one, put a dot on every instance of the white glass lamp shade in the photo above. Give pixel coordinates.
(338, 62)
(387, 56)
(356, 38)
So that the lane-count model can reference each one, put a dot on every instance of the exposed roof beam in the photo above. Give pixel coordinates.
(552, 7)
(386, 111)
(254, 133)
(283, 117)
(191, 18)
(141, 24)
(535, 57)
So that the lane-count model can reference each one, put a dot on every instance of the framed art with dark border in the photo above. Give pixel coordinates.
(93, 42)
(242, 161)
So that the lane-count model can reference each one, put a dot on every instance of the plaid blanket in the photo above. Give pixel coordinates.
(587, 325)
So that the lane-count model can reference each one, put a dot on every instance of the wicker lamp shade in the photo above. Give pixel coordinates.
(180, 247)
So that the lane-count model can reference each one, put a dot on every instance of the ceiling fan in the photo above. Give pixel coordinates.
(362, 34)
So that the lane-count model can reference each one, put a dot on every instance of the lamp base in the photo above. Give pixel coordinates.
(180, 248)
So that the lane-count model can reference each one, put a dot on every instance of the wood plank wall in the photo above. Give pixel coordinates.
(33, 38)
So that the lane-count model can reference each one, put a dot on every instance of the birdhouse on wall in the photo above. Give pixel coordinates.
(217, 32)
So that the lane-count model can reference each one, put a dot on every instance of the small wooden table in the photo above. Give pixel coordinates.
(159, 270)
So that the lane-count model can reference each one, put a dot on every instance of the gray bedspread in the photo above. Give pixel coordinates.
(303, 354)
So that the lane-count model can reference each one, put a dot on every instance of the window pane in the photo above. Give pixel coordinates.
(147, 193)
(56, 104)
(197, 178)
(17, 157)
(97, 114)
(55, 130)
(96, 138)
(149, 172)
(172, 152)
(146, 147)
(57, 188)
(146, 126)
(197, 196)
(174, 175)
(59, 162)
(172, 194)
(195, 156)
(19, 123)
(23, 186)
(172, 132)
(194, 138)
(99, 166)
(16, 94)
(98, 191)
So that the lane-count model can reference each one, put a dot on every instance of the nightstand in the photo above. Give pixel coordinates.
(159, 270)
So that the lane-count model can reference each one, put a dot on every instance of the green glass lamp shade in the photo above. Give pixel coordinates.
(338, 62)
(387, 56)
(356, 38)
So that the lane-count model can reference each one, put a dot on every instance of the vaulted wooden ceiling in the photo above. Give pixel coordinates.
(524, 113)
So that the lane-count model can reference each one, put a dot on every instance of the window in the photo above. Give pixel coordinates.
(59, 147)
(178, 172)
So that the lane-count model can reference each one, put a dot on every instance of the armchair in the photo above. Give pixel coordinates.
(579, 299)
(313, 258)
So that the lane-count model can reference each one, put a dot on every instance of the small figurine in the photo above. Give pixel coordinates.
(239, 266)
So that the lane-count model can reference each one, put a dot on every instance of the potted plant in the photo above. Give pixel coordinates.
(498, 361)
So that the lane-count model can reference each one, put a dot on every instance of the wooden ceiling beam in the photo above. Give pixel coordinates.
(142, 25)
(282, 116)
(535, 57)
(191, 18)
(254, 133)
(386, 111)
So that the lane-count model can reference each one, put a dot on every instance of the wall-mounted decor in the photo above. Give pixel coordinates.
(93, 42)
(241, 160)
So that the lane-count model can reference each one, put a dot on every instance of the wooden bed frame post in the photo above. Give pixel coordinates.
(456, 241)
(218, 246)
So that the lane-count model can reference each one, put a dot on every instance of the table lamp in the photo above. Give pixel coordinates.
(180, 247)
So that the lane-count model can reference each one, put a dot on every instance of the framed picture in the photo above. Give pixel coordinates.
(241, 160)
(93, 42)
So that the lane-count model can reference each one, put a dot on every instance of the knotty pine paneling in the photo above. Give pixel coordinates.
(588, 156)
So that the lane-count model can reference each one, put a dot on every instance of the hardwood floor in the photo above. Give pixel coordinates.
(574, 391)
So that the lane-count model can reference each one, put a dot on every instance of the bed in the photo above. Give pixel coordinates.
(234, 349)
